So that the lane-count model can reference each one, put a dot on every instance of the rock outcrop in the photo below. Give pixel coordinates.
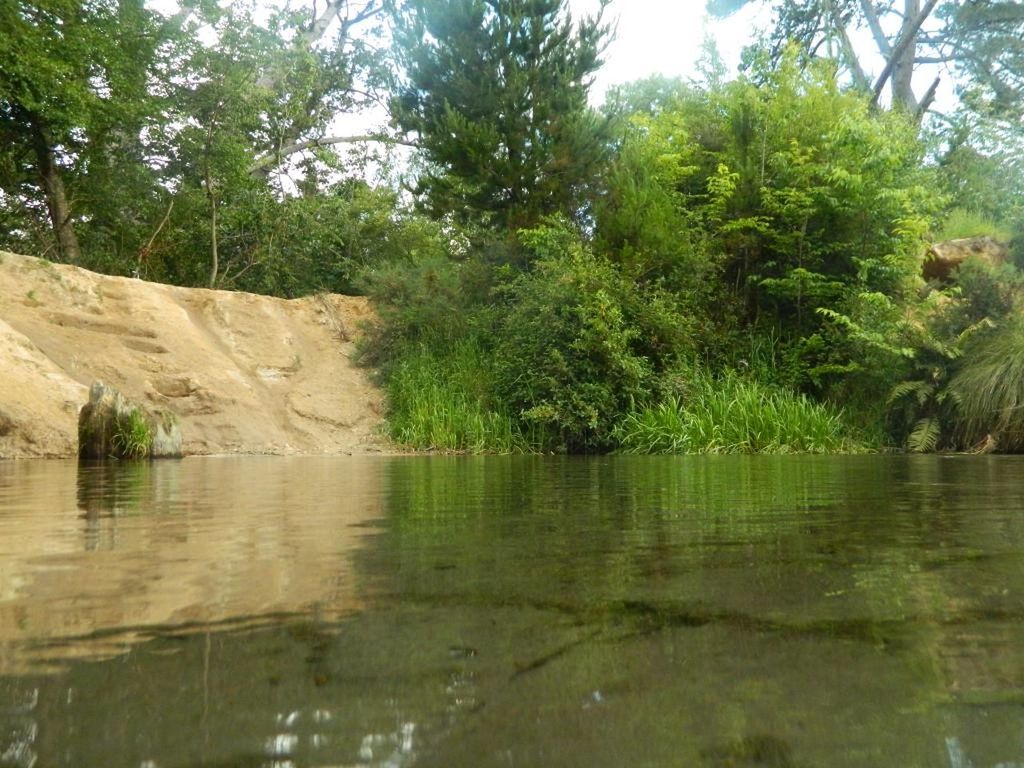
(244, 373)
(108, 425)
(944, 258)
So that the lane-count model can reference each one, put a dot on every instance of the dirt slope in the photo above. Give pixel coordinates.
(245, 373)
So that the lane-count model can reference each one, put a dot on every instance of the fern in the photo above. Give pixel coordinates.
(925, 436)
(920, 390)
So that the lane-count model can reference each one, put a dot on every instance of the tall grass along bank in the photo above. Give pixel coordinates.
(733, 415)
(442, 402)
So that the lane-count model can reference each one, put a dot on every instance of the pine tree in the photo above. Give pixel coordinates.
(496, 96)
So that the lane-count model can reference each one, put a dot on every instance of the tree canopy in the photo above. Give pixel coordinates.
(130, 131)
(495, 92)
(980, 39)
(73, 95)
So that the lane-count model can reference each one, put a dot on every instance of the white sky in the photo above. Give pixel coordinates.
(665, 37)
(653, 37)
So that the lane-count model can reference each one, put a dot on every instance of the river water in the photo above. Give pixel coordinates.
(529, 611)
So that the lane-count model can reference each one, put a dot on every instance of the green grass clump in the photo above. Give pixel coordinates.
(442, 401)
(132, 438)
(735, 415)
(964, 223)
(989, 389)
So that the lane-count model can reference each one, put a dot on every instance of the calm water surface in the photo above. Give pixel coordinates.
(721, 612)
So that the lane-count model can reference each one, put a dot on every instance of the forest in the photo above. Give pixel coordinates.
(722, 263)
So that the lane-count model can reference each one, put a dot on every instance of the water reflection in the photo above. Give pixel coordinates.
(106, 550)
(730, 611)
(858, 611)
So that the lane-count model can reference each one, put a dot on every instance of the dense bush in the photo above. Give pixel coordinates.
(989, 389)
(430, 302)
(960, 336)
(289, 246)
(579, 343)
(774, 226)
(778, 206)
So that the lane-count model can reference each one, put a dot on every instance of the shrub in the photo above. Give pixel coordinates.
(961, 222)
(579, 343)
(132, 436)
(987, 290)
(955, 352)
(432, 302)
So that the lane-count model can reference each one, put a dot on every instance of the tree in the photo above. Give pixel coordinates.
(495, 92)
(256, 98)
(321, 65)
(72, 92)
(986, 40)
(132, 141)
(982, 39)
(772, 205)
(982, 168)
(579, 342)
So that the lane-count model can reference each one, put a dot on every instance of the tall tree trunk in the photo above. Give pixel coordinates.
(214, 256)
(902, 57)
(56, 198)
(903, 67)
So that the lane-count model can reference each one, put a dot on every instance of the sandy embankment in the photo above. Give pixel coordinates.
(244, 373)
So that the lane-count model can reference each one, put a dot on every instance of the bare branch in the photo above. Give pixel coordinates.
(907, 38)
(936, 59)
(271, 159)
(376, 98)
(349, 17)
(368, 11)
(849, 54)
(335, 9)
(320, 24)
(148, 247)
(929, 97)
(876, 27)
